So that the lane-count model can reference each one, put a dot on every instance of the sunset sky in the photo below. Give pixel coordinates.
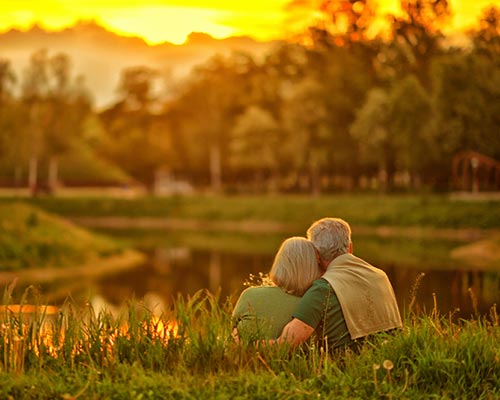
(172, 20)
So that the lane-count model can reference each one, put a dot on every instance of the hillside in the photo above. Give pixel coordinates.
(100, 55)
(31, 238)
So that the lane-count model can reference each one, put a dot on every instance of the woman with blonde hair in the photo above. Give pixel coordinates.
(261, 312)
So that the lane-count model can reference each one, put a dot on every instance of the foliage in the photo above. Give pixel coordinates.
(53, 105)
(340, 109)
(187, 352)
(137, 138)
(391, 128)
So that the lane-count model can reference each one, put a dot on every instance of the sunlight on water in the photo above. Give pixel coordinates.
(43, 330)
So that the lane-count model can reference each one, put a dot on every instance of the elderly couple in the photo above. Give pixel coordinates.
(320, 287)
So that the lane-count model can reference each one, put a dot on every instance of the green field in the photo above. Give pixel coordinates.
(434, 211)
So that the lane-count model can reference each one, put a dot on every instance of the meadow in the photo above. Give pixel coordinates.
(187, 353)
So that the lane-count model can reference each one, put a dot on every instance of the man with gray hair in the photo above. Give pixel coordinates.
(352, 300)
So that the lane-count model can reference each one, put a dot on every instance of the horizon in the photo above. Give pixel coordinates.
(157, 23)
(92, 22)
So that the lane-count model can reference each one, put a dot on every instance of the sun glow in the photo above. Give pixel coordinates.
(17, 323)
(158, 25)
(158, 21)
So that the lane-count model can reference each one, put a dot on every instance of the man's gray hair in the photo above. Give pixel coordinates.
(331, 237)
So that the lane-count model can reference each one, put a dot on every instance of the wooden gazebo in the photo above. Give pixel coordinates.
(472, 171)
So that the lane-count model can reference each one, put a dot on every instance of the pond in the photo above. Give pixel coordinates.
(186, 262)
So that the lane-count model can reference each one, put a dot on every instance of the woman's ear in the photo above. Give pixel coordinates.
(350, 248)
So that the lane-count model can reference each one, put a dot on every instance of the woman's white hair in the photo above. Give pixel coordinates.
(295, 266)
(331, 237)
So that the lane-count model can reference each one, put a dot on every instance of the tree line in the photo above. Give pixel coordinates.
(334, 109)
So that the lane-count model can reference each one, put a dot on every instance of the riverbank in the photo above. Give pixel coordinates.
(93, 268)
(369, 210)
(420, 217)
(36, 246)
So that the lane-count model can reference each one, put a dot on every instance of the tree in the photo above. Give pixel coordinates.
(340, 22)
(34, 93)
(486, 38)
(410, 119)
(138, 138)
(12, 145)
(57, 108)
(69, 106)
(257, 132)
(467, 107)
(306, 122)
(416, 39)
(213, 96)
(7, 80)
(136, 88)
(391, 126)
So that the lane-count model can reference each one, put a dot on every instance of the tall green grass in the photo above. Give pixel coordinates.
(187, 353)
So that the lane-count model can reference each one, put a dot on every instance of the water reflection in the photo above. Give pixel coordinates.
(464, 293)
(171, 270)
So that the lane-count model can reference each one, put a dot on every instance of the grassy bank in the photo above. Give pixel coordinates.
(432, 211)
(33, 238)
(187, 353)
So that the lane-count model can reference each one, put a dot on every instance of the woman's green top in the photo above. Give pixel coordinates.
(261, 312)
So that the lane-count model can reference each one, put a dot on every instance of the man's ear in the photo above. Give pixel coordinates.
(350, 248)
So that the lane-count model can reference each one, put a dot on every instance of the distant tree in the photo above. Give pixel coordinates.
(391, 128)
(341, 22)
(213, 97)
(347, 76)
(416, 39)
(342, 51)
(467, 106)
(35, 89)
(410, 119)
(486, 37)
(8, 80)
(12, 147)
(69, 105)
(377, 146)
(56, 107)
(306, 122)
(137, 137)
(256, 132)
(136, 88)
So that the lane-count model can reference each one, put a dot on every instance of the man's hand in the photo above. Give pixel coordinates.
(295, 333)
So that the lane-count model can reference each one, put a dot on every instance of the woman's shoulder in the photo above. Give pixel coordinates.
(266, 292)
(260, 290)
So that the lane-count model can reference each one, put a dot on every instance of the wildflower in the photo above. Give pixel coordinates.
(388, 365)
